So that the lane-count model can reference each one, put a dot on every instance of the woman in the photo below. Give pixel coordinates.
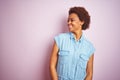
(72, 54)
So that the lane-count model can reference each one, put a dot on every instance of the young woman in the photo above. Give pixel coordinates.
(72, 55)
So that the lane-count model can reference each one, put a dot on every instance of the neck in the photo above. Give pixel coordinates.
(78, 34)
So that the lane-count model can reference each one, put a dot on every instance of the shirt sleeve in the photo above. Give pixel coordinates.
(92, 50)
(58, 41)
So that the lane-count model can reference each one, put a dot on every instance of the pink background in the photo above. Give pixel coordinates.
(27, 29)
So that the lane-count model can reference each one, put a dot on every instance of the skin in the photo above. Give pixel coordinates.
(74, 26)
(53, 62)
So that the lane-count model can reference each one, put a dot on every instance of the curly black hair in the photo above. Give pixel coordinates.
(82, 14)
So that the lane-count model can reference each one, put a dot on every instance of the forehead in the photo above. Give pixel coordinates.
(73, 15)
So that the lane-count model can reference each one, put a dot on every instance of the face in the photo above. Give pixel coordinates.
(74, 23)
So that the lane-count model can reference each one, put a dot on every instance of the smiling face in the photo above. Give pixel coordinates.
(74, 23)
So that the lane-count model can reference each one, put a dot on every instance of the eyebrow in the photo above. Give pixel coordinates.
(71, 18)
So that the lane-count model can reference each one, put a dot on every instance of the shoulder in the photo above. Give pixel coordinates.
(87, 42)
(60, 38)
(88, 45)
(62, 35)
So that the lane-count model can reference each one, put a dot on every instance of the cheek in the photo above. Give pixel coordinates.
(76, 25)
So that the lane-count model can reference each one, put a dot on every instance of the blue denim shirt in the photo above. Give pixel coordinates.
(72, 56)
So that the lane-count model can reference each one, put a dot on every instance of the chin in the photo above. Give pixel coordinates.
(70, 30)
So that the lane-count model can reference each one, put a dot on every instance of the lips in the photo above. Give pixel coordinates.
(70, 26)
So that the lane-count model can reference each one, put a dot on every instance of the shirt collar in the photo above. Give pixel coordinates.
(72, 36)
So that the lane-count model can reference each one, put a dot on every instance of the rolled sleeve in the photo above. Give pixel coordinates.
(57, 40)
(92, 50)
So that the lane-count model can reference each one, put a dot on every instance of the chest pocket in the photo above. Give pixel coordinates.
(64, 56)
(83, 60)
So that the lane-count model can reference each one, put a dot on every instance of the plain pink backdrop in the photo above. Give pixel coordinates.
(28, 27)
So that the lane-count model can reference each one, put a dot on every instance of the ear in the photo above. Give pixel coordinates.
(82, 22)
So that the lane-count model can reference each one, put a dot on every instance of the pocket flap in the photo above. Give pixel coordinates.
(85, 57)
(64, 52)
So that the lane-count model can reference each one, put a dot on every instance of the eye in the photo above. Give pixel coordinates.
(70, 20)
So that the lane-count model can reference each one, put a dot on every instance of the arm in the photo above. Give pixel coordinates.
(53, 62)
(89, 70)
